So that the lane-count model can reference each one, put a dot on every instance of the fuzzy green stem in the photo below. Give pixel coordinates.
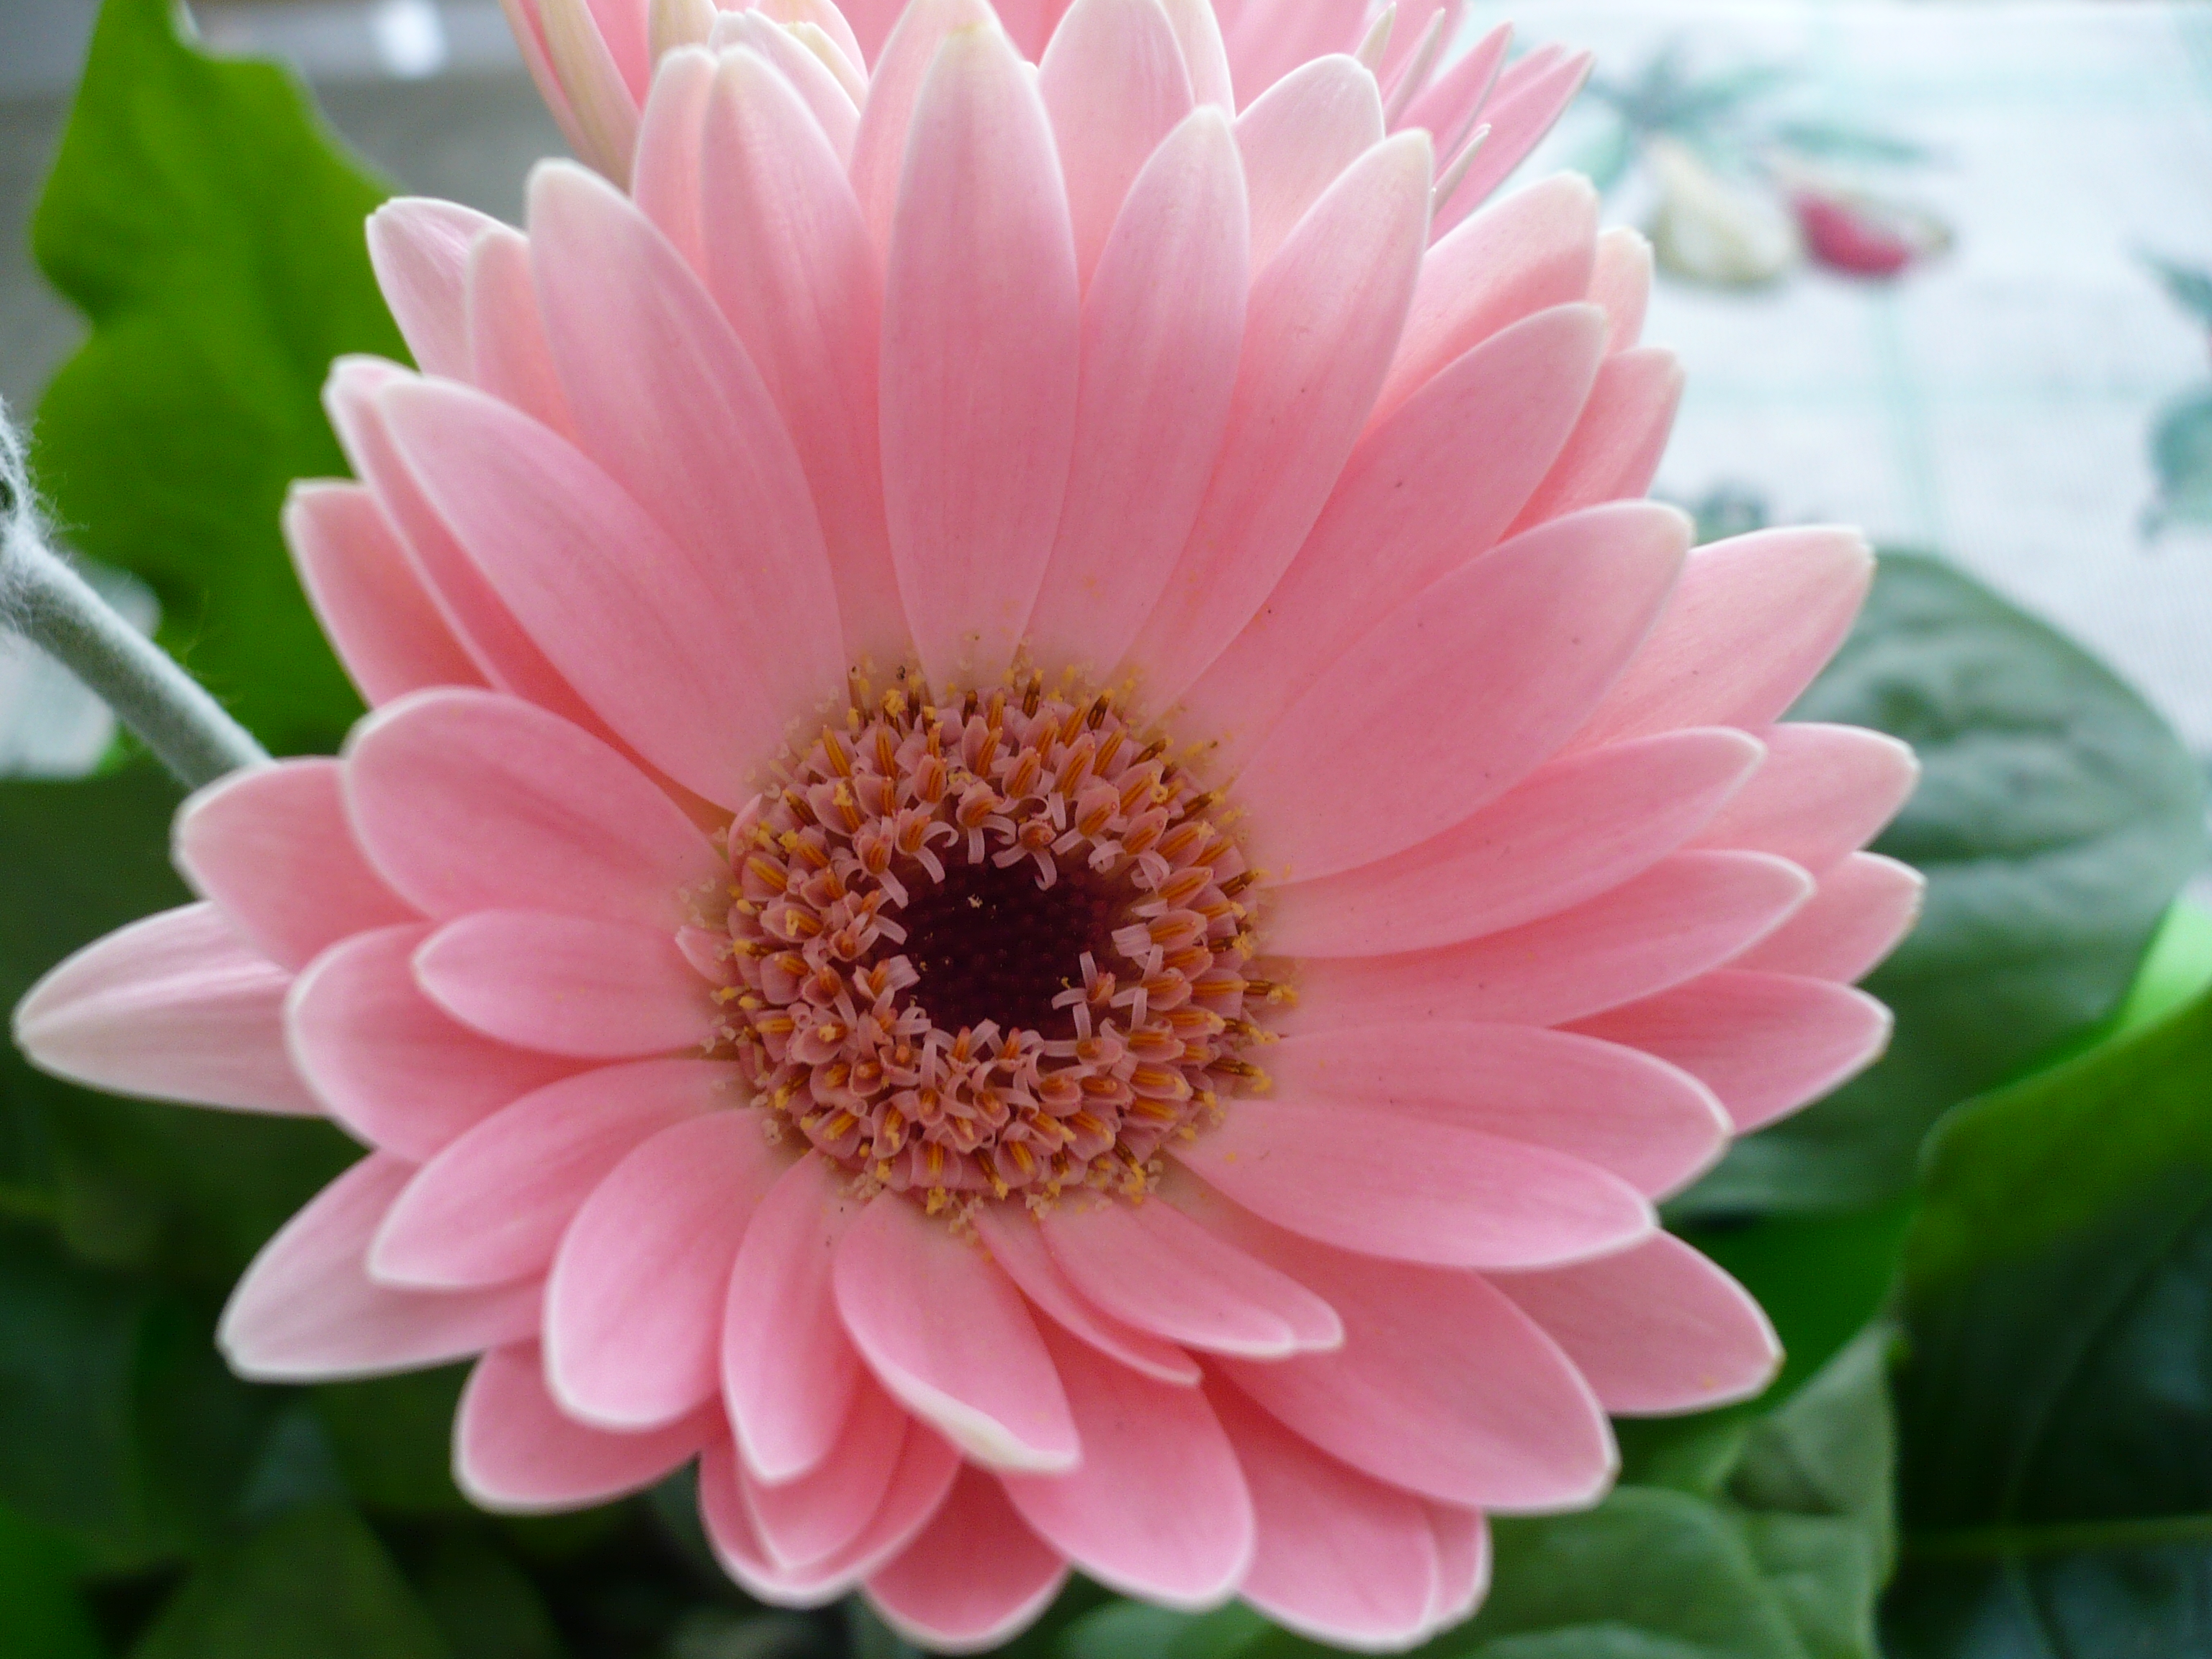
(42, 598)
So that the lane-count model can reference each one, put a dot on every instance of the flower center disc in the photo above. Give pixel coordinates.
(989, 945)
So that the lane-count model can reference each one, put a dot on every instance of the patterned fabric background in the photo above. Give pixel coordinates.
(2035, 399)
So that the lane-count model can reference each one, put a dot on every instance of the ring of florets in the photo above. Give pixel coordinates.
(988, 946)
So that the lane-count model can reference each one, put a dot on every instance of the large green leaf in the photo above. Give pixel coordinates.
(119, 1427)
(41, 1611)
(393, 1438)
(2056, 819)
(2055, 1409)
(315, 1584)
(200, 216)
(483, 1605)
(2181, 454)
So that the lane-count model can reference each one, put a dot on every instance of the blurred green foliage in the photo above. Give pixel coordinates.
(200, 218)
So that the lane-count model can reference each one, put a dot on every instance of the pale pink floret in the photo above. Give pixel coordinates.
(1478, 902)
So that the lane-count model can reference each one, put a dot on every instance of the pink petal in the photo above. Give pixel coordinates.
(1824, 792)
(1322, 320)
(1462, 1540)
(1114, 83)
(949, 1336)
(920, 1477)
(824, 14)
(788, 1369)
(175, 1008)
(880, 147)
(667, 172)
(981, 340)
(375, 610)
(507, 332)
(1159, 1507)
(1340, 1558)
(1442, 1386)
(1615, 446)
(1651, 1124)
(871, 22)
(835, 111)
(1153, 1267)
(1686, 915)
(492, 1205)
(1298, 137)
(1411, 28)
(603, 78)
(974, 1575)
(1028, 24)
(529, 32)
(1518, 114)
(668, 402)
(271, 845)
(802, 1522)
(1162, 328)
(1655, 1329)
(468, 800)
(419, 249)
(1424, 492)
(516, 1452)
(634, 1306)
(307, 1310)
(1863, 906)
(1513, 651)
(1198, 31)
(1765, 1044)
(1522, 255)
(473, 612)
(1410, 1188)
(1576, 828)
(388, 1063)
(1755, 617)
(1268, 42)
(1449, 104)
(790, 262)
(567, 985)
(1016, 1242)
(604, 589)
(1621, 284)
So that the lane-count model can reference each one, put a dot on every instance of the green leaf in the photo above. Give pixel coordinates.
(2056, 819)
(2056, 1407)
(201, 217)
(2181, 454)
(1780, 1552)
(185, 1191)
(2189, 287)
(1820, 1277)
(40, 1612)
(315, 1584)
(119, 1426)
(484, 1606)
(1131, 1630)
(393, 1438)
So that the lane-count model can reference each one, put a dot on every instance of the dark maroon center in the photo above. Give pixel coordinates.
(990, 945)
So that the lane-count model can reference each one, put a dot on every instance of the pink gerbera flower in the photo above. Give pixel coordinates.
(593, 61)
(1044, 865)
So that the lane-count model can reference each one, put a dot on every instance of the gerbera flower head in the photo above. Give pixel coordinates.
(1048, 863)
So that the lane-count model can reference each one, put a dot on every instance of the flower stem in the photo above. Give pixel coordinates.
(42, 598)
